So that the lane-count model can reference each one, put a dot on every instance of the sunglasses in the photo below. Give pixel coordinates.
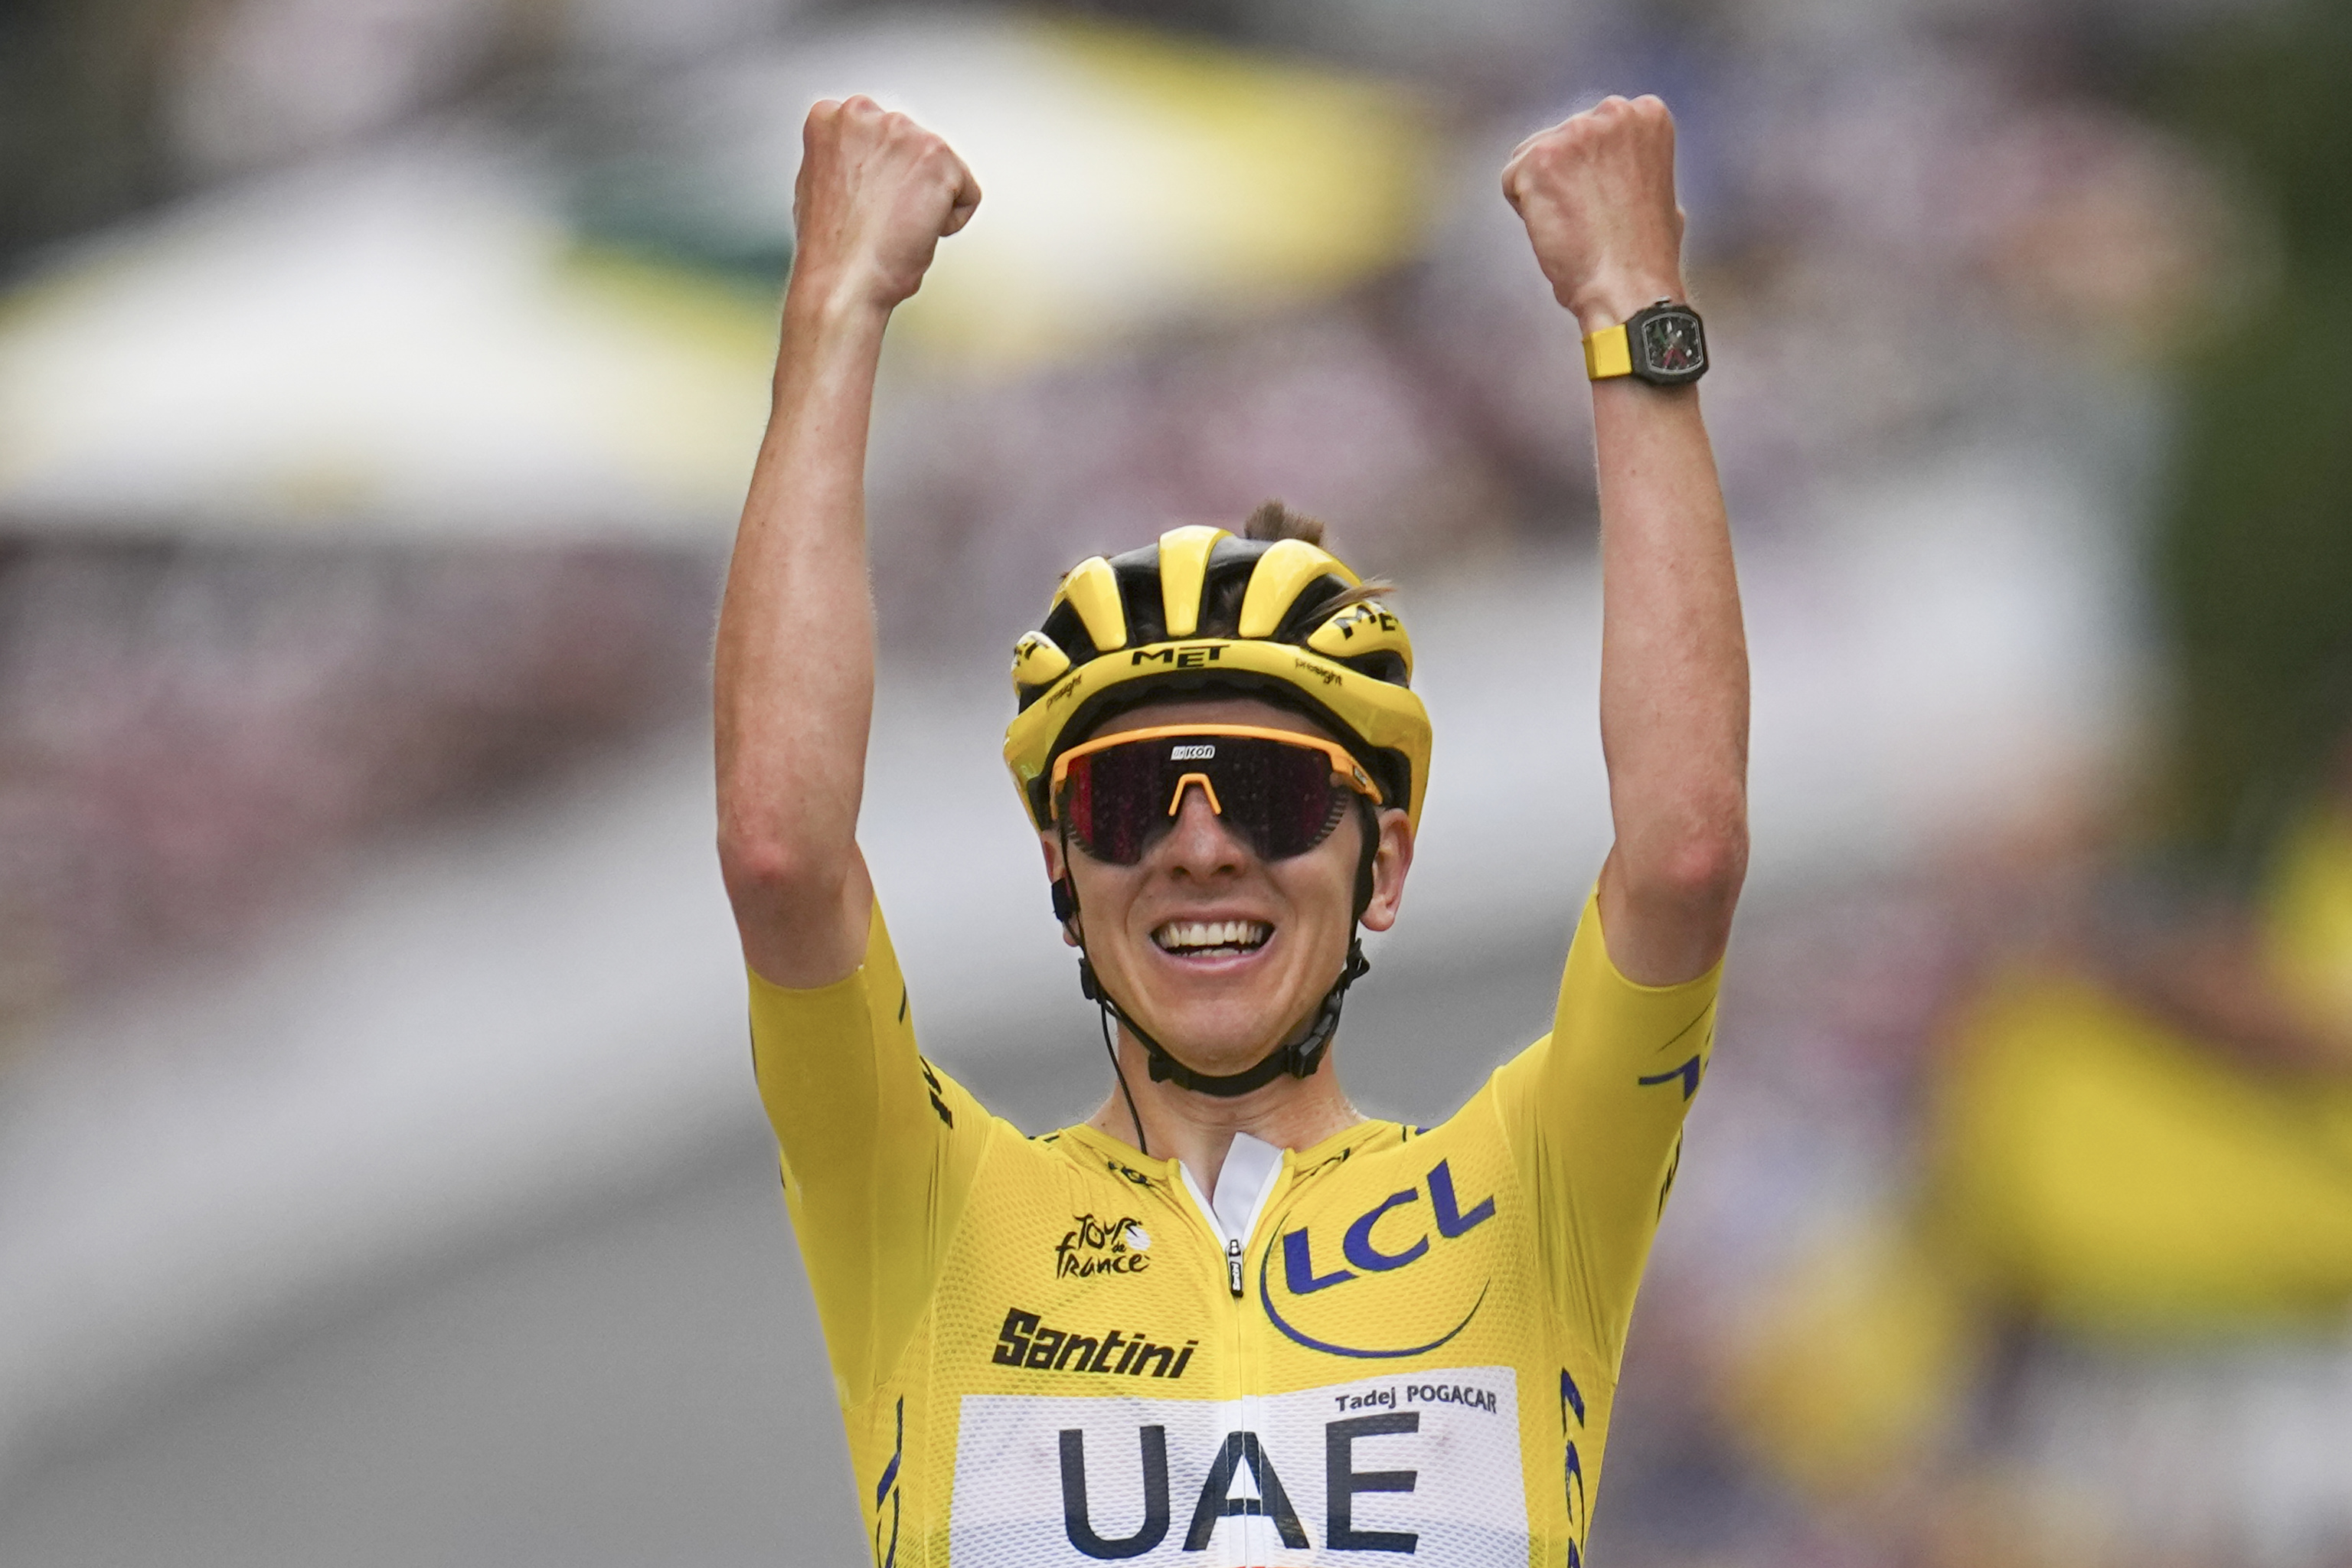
(1282, 791)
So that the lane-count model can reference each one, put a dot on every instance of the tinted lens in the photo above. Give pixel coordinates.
(1112, 800)
(1279, 797)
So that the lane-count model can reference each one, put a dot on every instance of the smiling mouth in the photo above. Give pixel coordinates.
(1211, 939)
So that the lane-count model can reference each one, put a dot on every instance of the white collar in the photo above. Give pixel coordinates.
(1243, 1183)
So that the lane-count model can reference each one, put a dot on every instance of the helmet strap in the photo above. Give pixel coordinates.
(1299, 1058)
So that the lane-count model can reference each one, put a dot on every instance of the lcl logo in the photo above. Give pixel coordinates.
(1363, 1257)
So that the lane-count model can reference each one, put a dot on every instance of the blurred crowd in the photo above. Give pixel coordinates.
(2024, 1224)
(194, 740)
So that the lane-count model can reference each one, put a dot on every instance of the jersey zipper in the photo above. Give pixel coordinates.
(1256, 1532)
(1261, 1541)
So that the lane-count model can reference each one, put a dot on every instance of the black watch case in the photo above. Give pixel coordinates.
(1666, 343)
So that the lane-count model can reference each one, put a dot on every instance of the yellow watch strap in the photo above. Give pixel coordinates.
(1606, 354)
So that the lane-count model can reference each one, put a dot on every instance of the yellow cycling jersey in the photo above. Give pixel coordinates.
(1049, 1351)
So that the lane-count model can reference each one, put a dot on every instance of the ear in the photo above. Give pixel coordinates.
(1391, 861)
(1057, 867)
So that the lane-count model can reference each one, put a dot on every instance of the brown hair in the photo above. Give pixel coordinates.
(1221, 608)
(1273, 521)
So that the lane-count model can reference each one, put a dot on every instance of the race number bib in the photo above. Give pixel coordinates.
(1422, 1466)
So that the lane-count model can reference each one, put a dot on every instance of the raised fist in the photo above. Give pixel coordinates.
(875, 193)
(1597, 193)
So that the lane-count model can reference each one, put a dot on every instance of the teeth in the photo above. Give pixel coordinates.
(1181, 936)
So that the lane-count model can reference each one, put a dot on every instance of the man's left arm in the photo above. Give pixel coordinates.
(1597, 193)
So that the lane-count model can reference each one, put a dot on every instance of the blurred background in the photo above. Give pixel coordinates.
(381, 1177)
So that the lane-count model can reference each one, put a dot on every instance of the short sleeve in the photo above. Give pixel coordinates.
(1594, 1115)
(879, 1153)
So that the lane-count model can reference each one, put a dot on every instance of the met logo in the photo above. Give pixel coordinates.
(1190, 656)
(1364, 1256)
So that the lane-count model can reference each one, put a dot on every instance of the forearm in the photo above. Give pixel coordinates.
(1597, 193)
(1673, 682)
(794, 657)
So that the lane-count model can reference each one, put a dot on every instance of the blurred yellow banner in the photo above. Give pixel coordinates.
(1128, 178)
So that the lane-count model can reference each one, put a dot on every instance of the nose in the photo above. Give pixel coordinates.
(1201, 843)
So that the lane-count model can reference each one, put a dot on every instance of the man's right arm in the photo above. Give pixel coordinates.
(794, 659)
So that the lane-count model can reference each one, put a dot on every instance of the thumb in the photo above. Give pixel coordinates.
(966, 202)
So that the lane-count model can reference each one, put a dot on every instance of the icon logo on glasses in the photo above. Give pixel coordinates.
(1191, 753)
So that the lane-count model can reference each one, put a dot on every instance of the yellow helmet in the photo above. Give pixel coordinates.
(1203, 611)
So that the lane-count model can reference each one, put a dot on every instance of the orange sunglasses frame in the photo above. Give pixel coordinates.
(1343, 765)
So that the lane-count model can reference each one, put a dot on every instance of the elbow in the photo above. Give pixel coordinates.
(1698, 871)
(769, 874)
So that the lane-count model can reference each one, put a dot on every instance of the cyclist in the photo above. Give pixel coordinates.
(1227, 1319)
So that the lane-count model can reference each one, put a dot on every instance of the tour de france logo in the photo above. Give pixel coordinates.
(1093, 1246)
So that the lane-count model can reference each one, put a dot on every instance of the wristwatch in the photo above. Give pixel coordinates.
(1664, 344)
